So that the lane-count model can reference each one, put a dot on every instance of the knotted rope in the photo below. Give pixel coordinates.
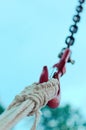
(29, 102)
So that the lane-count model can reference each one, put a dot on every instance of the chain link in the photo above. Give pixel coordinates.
(74, 27)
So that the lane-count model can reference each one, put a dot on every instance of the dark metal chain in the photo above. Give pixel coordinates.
(73, 28)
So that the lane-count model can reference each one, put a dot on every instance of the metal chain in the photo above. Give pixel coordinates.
(73, 28)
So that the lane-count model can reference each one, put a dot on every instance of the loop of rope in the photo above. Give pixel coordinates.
(39, 93)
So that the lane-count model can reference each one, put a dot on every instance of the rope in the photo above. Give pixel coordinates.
(29, 102)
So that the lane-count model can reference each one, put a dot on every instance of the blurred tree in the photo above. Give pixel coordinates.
(63, 118)
(1, 109)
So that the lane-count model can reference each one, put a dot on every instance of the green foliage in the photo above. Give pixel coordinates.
(1, 109)
(62, 118)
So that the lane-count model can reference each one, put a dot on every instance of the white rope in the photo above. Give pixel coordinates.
(29, 102)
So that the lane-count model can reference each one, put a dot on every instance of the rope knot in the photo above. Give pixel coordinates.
(39, 94)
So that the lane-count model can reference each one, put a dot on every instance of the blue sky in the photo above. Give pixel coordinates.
(32, 33)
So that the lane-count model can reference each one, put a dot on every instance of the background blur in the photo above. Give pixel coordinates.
(32, 33)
